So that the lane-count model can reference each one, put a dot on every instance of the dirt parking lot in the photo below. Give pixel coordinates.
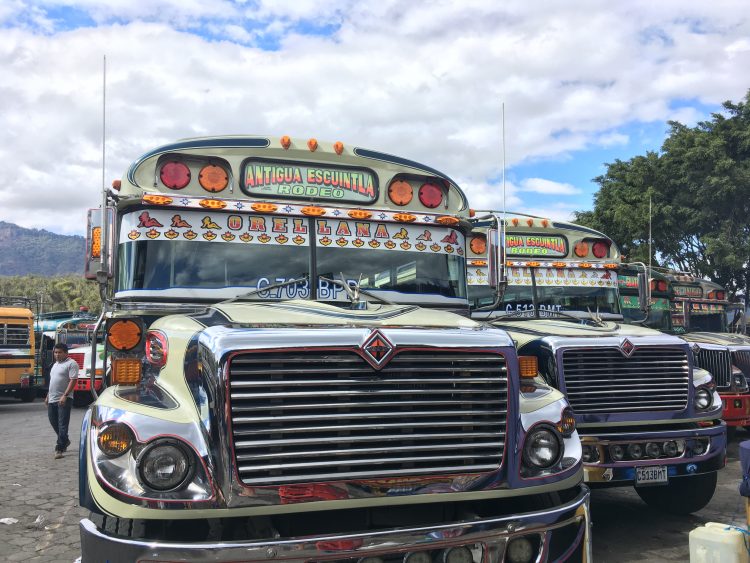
(41, 493)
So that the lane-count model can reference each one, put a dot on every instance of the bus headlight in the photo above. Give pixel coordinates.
(542, 448)
(703, 398)
(164, 465)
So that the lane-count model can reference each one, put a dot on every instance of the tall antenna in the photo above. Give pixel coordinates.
(502, 233)
(648, 274)
(105, 226)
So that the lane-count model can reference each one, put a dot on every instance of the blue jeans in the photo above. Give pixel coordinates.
(59, 418)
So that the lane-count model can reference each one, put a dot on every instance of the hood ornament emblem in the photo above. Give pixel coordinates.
(377, 350)
(627, 348)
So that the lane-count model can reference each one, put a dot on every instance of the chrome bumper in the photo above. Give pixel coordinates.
(623, 472)
(562, 533)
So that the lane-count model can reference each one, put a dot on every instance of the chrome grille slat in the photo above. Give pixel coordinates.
(372, 404)
(366, 415)
(602, 379)
(719, 363)
(334, 476)
(352, 461)
(360, 451)
(349, 381)
(356, 427)
(358, 439)
(437, 412)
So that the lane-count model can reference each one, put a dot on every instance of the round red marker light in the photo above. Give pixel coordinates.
(430, 195)
(175, 175)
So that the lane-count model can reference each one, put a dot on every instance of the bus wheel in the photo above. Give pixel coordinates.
(683, 495)
(27, 395)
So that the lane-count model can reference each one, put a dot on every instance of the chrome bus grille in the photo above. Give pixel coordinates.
(719, 363)
(328, 416)
(602, 380)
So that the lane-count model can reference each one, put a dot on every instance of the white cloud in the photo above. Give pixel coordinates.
(548, 187)
(422, 80)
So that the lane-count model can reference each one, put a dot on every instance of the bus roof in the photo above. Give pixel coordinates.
(244, 159)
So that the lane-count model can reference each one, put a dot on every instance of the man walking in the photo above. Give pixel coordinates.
(59, 400)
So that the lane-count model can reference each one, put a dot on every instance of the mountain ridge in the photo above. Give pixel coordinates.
(39, 252)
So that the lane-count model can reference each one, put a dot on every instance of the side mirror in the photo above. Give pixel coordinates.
(94, 240)
(495, 260)
(643, 293)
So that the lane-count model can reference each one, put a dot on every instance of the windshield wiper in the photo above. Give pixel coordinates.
(353, 291)
(265, 288)
(529, 315)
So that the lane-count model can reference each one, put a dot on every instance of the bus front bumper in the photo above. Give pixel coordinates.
(736, 408)
(604, 470)
(558, 533)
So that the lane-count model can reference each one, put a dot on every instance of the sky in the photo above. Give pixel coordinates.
(580, 84)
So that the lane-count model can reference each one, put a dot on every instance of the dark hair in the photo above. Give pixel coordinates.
(61, 346)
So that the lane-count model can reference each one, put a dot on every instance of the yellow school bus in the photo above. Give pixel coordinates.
(17, 348)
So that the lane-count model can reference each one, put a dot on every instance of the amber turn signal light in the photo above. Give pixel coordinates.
(124, 334)
(115, 439)
(96, 242)
(567, 424)
(126, 371)
(529, 366)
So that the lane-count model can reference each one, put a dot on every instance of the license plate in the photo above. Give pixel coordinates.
(651, 475)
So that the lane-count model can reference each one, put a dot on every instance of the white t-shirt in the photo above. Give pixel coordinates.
(59, 376)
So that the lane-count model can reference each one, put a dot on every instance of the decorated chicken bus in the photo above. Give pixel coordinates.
(287, 378)
(17, 348)
(647, 416)
(77, 334)
(46, 336)
(698, 314)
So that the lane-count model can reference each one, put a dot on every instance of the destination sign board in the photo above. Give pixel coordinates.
(687, 290)
(627, 282)
(536, 245)
(263, 178)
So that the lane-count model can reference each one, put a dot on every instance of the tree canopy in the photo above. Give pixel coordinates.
(61, 293)
(699, 184)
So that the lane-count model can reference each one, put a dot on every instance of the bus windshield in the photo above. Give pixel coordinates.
(659, 317)
(219, 257)
(570, 290)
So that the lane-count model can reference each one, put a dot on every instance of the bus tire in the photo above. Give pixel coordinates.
(27, 395)
(684, 495)
(124, 527)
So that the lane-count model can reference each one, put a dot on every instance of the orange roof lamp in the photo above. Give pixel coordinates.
(478, 244)
(400, 192)
(213, 178)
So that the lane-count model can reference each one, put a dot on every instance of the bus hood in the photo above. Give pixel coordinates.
(310, 313)
(718, 338)
(524, 332)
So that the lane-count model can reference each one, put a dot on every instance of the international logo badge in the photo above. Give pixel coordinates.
(377, 349)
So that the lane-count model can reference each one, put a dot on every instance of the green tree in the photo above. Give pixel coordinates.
(60, 293)
(699, 184)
